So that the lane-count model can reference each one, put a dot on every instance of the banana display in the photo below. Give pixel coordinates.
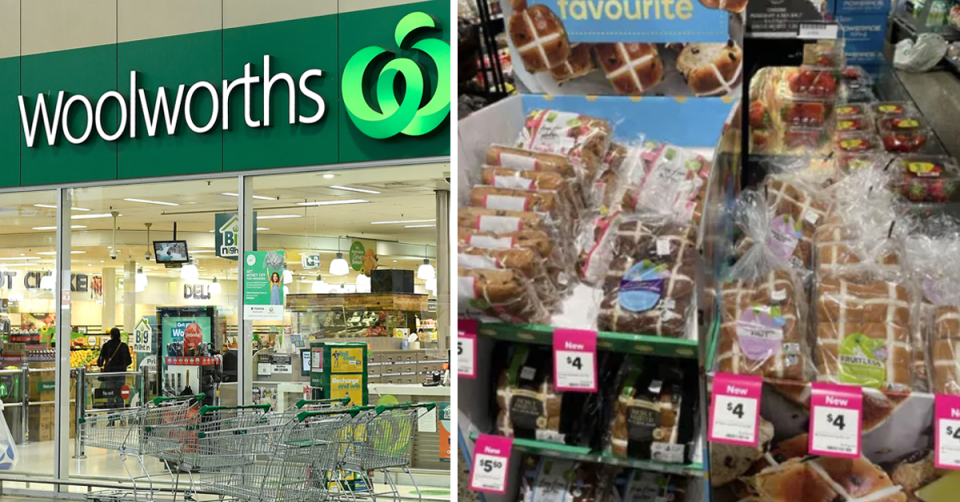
(80, 358)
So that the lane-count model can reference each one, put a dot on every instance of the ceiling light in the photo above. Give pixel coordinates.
(351, 189)
(287, 277)
(319, 286)
(363, 283)
(141, 279)
(329, 176)
(339, 266)
(54, 227)
(189, 272)
(51, 253)
(255, 196)
(419, 226)
(426, 271)
(91, 216)
(54, 207)
(18, 258)
(201, 251)
(212, 231)
(401, 221)
(278, 216)
(160, 203)
(432, 285)
(48, 282)
(262, 229)
(215, 287)
(331, 202)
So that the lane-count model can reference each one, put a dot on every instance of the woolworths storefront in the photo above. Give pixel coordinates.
(255, 193)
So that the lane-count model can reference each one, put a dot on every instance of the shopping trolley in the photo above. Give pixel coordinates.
(292, 468)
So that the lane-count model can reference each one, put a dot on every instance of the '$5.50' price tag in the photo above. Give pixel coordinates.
(835, 412)
(735, 409)
(467, 348)
(575, 360)
(947, 439)
(491, 457)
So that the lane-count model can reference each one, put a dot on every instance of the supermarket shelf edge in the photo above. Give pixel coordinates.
(620, 342)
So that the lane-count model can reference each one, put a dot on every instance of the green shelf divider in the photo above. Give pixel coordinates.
(583, 454)
(619, 342)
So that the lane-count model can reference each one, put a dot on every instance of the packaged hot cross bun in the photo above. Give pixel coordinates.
(583, 139)
(649, 285)
(568, 189)
(763, 314)
(673, 181)
(520, 159)
(526, 261)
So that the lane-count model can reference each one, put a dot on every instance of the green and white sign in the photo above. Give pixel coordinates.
(356, 255)
(227, 232)
(263, 286)
(142, 337)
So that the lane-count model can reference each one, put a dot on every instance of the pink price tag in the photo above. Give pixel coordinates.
(947, 432)
(835, 412)
(735, 409)
(467, 348)
(491, 459)
(574, 360)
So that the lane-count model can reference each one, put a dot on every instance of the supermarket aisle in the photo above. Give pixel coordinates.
(937, 94)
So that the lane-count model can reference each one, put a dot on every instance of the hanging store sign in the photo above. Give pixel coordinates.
(79, 283)
(197, 292)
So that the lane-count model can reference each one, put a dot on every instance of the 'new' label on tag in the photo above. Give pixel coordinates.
(735, 409)
(467, 348)
(574, 360)
(947, 439)
(835, 412)
(491, 458)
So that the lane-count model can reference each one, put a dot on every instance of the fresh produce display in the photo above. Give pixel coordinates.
(806, 113)
(812, 82)
(804, 138)
(854, 123)
(79, 358)
(851, 110)
(907, 141)
(855, 142)
(927, 178)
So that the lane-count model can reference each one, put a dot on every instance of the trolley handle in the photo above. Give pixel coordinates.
(353, 412)
(382, 408)
(301, 403)
(160, 399)
(265, 407)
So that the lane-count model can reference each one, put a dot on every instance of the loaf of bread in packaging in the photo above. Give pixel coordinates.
(582, 138)
(863, 333)
(501, 177)
(504, 294)
(526, 261)
(798, 210)
(540, 201)
(945, 350)
(498, 220)
(646, 409)
(533, 239)
(607, 187)
(760, 331)
(521, 159)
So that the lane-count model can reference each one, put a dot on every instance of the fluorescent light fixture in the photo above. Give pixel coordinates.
(426, 271)
(262, 229)
(261, 197)
(158, 202)
(50, 206)
(401, 221)
(278, 216)
(141, 284)
(50, 253)
(351, 189)
(363, 283)
(339, 266)
(212, 231)
(330, 202)
(18, 258)
(91, 216)
(419, 226)
(201, 251)
(190, 272)
(54, 228)
(329, 176)
(215, 287)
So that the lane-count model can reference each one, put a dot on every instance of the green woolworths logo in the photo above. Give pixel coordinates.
(403, 117)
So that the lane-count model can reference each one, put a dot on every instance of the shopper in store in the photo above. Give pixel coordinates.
(114, 357)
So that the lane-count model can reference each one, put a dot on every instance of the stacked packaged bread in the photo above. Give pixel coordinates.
(672, 181)
(762, 299)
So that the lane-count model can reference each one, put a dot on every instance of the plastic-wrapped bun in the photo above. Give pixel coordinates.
(596, 246)
(582, 138)
(945, 350)
(499, 294)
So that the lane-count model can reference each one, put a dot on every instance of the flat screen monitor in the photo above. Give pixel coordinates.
(171, 251)
(304, 362)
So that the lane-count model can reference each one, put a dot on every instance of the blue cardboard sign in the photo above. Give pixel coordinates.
(655, 21)
(854, 7)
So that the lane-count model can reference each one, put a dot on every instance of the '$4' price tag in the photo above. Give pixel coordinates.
(735, 409)
(835, 420)
(574, 360)
(491, 458)
(947, 439)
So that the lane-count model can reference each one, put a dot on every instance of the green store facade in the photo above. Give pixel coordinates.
(321, 125)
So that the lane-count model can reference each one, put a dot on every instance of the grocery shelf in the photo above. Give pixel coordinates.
(619, 342)
(583, 454)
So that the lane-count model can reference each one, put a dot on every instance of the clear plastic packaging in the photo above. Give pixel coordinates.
(901, 123)
(674, 185)
(824, 54)
(805, 112)
(647, 410)
(558, 256)
(795, 212)
(596, 245)
(812, 82)
(894, 109)
(856, 142)
(528, 160)
(533, 181)
(906, 141)
(583, 139)
(927, 178)
(649, 286)
(805, 140)
(526, 261)
(856, 161)
(945, 350)
(851, 110)
(499, 294)
(849, 123)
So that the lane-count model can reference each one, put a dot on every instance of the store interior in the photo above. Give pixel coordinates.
(390, 213)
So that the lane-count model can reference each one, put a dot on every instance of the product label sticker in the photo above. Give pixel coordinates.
(467, 348)
(663, 247)
(476, 261)
(670, 453)
(947, 432)
(574, 360)
(778, 295)
(489, 242)
(863, 360)
(835, 412)
(499, 224)
(659, 21)
(935, 289)
(760, 332)
(491, 459)
(890, 109)
(505, 202)
(811, 216)
(466, 289)
(518, 162)
(784, 236)
(924, 169)
(552, 131)
(513, 182)
(642, 286)
(649, 486)
(735, 409)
